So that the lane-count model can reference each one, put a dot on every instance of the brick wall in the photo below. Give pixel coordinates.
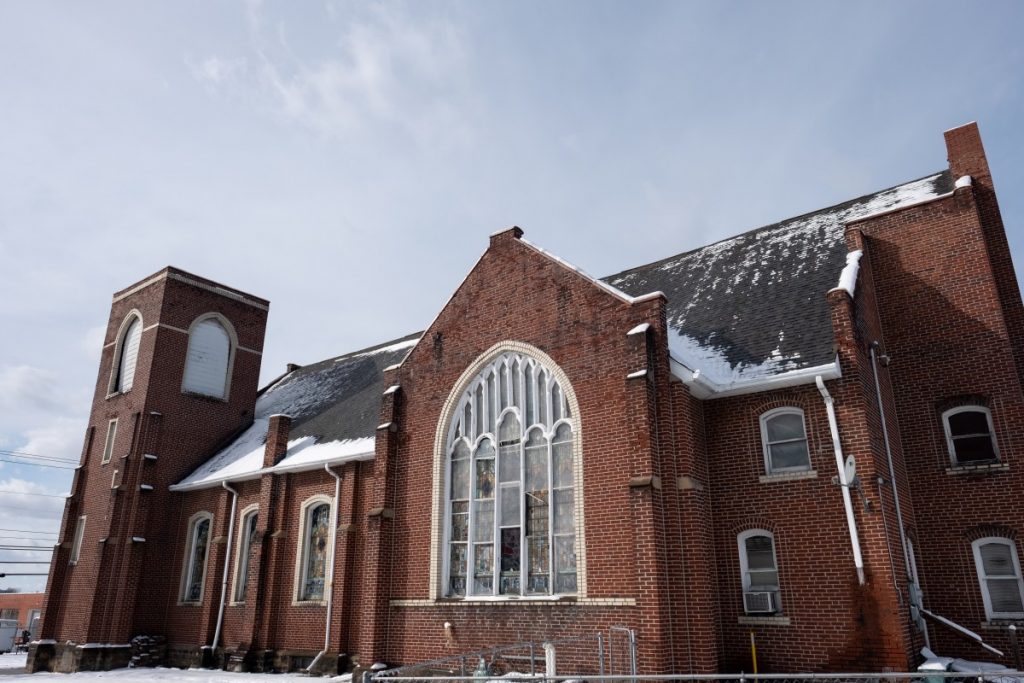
(668, 481)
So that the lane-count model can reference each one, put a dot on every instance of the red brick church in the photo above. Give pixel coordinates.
(812, 432)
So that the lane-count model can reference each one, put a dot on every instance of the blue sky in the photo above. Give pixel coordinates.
(347, 161)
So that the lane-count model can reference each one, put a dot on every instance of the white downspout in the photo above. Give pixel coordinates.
(329, 579)
(858, 560)
(227, 563)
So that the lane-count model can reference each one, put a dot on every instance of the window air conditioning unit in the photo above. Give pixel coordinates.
(760, 602)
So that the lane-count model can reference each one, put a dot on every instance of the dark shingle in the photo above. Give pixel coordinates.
(757, 300)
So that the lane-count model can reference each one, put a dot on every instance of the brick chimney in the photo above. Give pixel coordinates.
(277, 439)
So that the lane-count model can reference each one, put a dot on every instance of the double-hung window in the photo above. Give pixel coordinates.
(970, 437)
(784, 441)
(760, 572)
(1002, 588)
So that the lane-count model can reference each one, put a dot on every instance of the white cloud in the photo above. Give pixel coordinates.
(385, 67)
(24, 386)
(216, 70)
(92, 342)
(62, 438)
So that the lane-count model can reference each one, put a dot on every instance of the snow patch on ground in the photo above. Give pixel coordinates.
(13, 660)
(145, 675)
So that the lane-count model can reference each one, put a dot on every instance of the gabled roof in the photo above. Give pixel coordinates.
(334, 406)
(749, 310)
(753, 306)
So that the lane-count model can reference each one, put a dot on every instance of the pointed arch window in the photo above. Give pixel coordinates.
(511, 496)
(194, 572)
(208, 360)
(247, 528)
(126, 355)
(314, 540)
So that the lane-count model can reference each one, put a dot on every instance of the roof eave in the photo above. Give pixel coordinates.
(276, 469)
(703, 388)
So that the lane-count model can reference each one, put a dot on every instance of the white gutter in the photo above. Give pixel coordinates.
(282, 468)
(227, 563)
(704, 388)
(858, 560)
(329, 579)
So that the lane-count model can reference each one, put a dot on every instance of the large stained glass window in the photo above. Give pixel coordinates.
(511, 489)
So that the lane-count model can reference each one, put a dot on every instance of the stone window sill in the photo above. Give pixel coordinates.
(986, 468)
(787, 476)
(1001, 624)
(777, 620)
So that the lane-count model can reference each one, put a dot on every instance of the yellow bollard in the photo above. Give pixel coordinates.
(753, 654)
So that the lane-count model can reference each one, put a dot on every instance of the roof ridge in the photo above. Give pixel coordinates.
(768, 226)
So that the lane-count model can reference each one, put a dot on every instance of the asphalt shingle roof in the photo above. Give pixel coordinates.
(747, 307)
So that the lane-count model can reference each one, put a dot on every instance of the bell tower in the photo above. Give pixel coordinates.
(178, 377)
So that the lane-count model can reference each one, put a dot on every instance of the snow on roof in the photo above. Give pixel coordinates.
(614, 291)
(334, 406)
(753, 305)
(748, 308)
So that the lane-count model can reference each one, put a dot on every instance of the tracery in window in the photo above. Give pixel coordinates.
(970, 437)
(195, 558)
(315, 539)
(784, 441)
(208, 360)
(511, 520)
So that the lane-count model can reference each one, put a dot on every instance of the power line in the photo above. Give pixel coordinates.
(27, 548)
(24, 562)
(23, 454)
(33, 493)
(3, 574)
(29, 531)
(38, 464)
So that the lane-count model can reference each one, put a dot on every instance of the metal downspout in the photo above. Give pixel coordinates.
(329, 579)
(858, 560)
(888, 456)
(895, 489)
(227, 563)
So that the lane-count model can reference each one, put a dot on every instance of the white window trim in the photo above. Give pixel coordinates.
(440, 514)
(232, 350)
(236, 577)
(115, 363)
(76, 544)
(187, 564)
(741, 544)
(108, 443)
(949, 433)
(766, 451)
(980, 571)
(568, 412)
(302, 549)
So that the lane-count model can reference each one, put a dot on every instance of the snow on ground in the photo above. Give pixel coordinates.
(144, 675)
(12, 660)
